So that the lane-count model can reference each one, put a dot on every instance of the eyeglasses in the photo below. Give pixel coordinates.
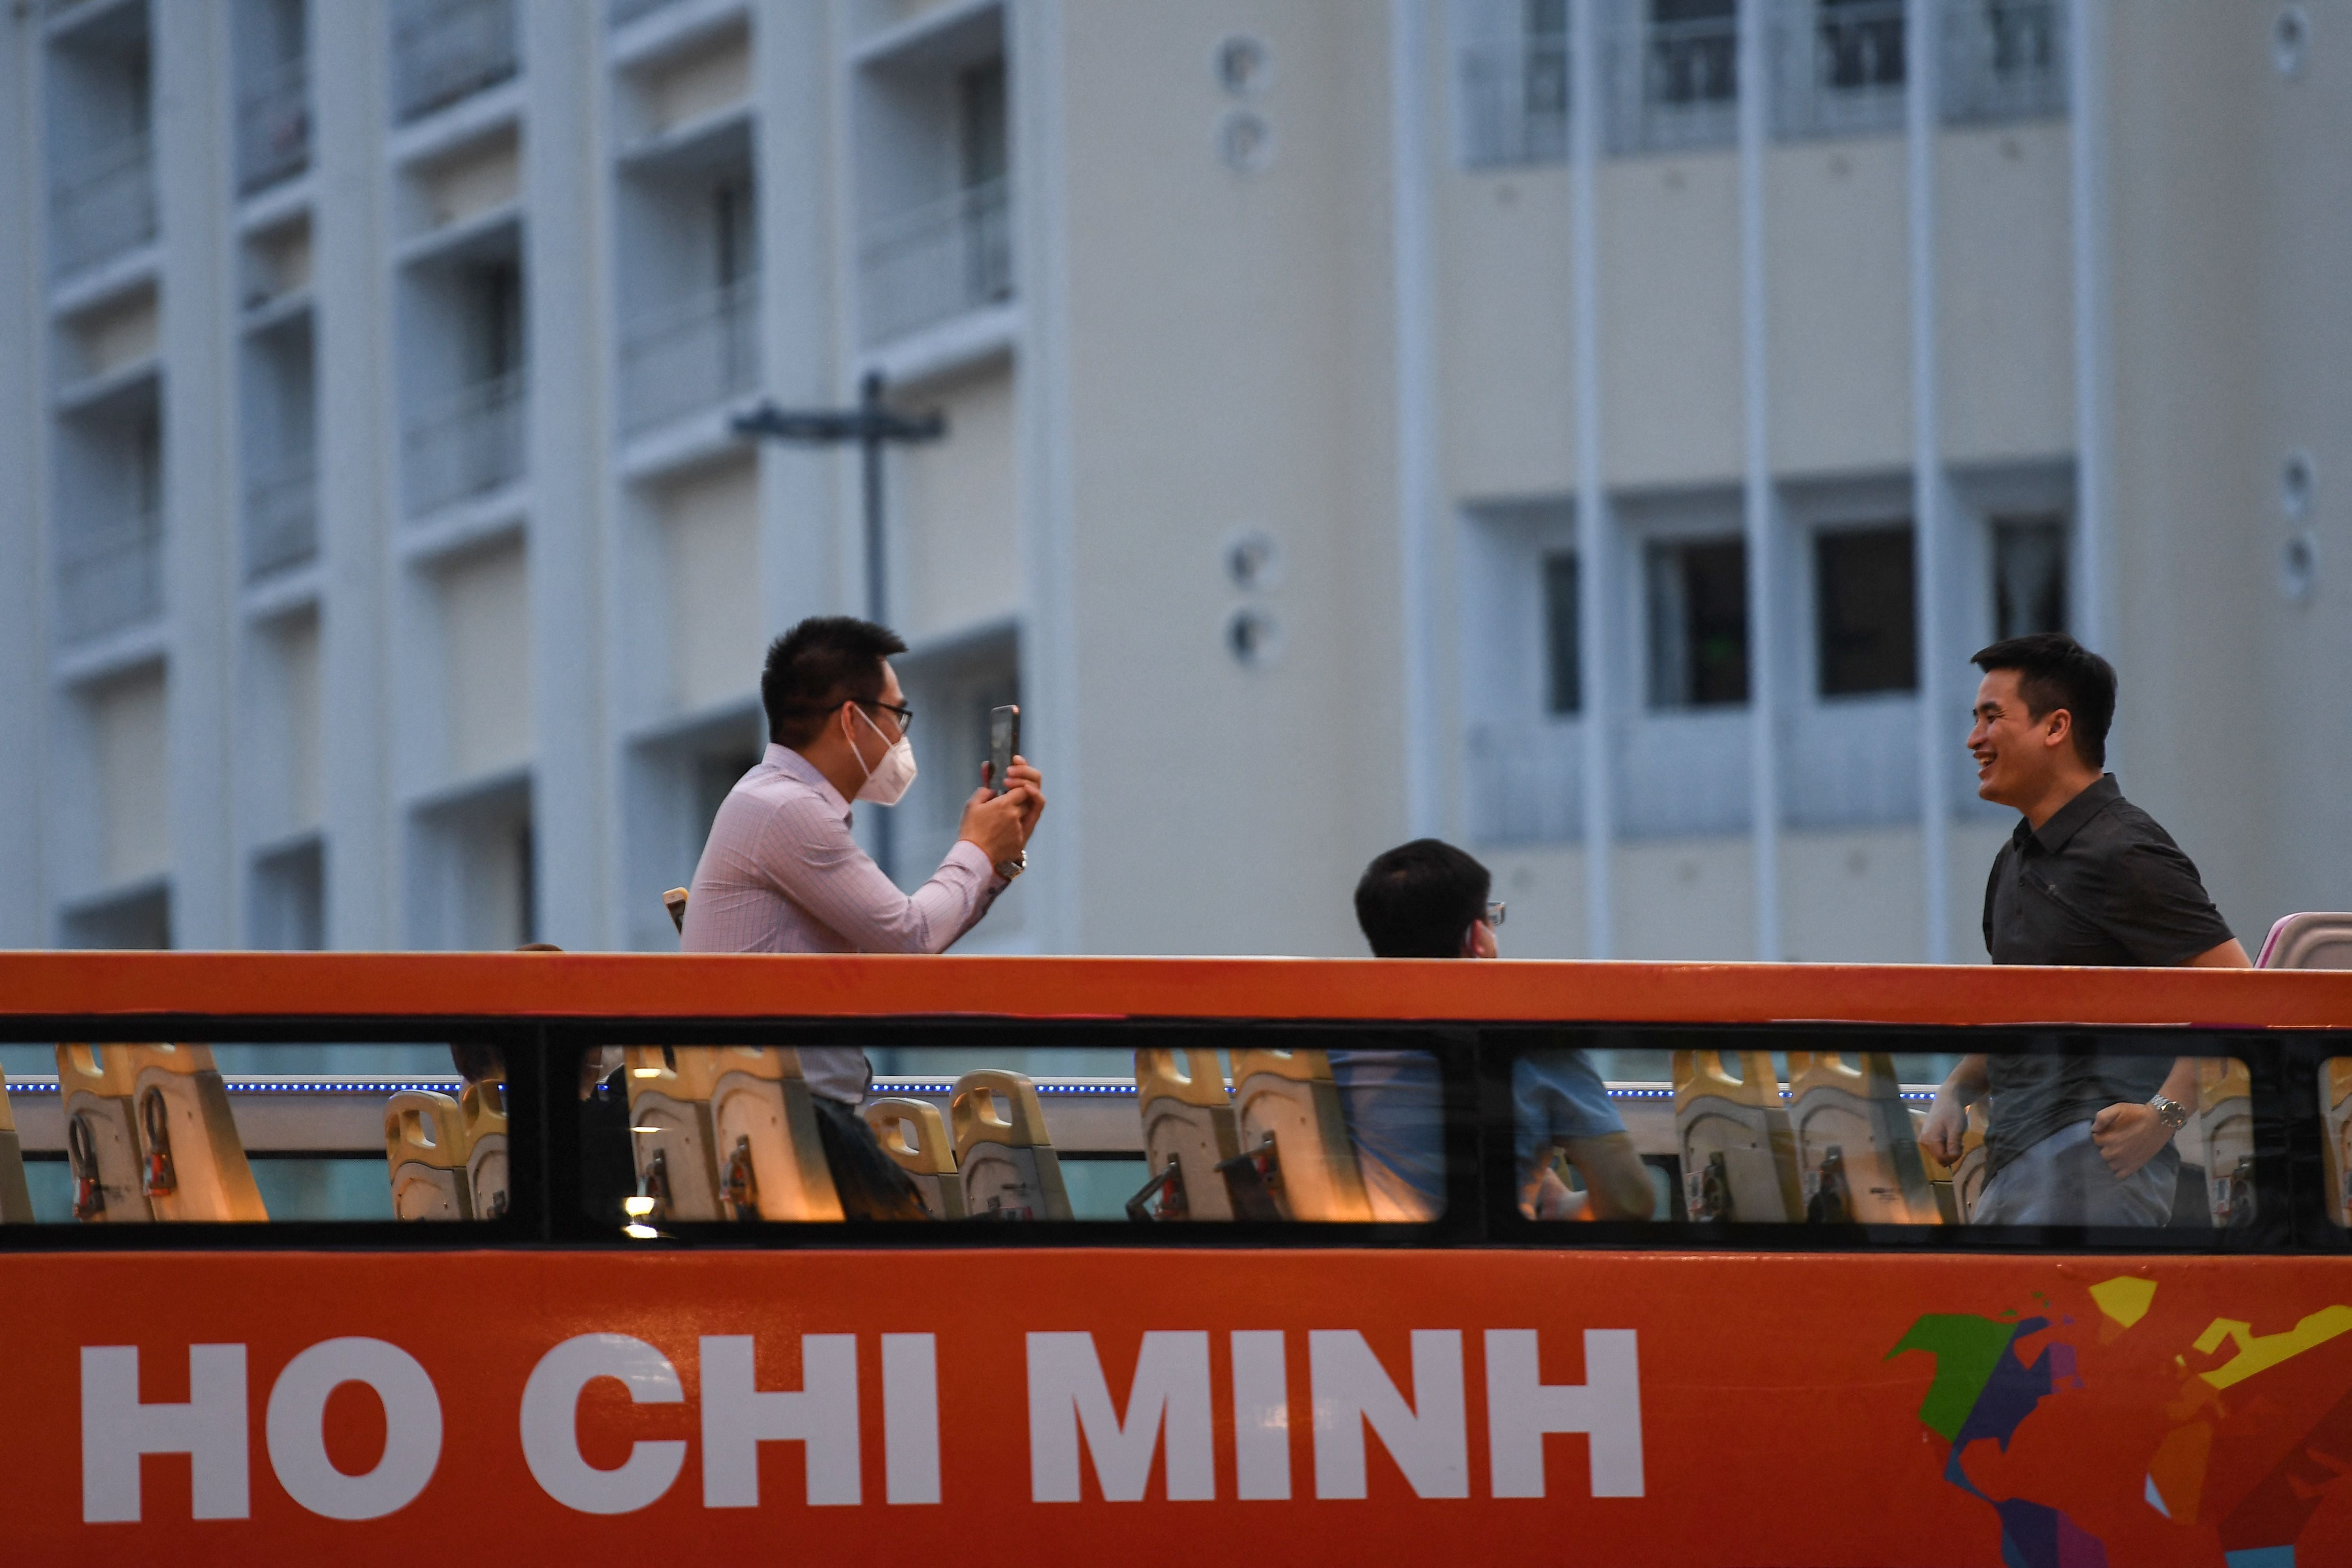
(905, 716)
(1495, 911)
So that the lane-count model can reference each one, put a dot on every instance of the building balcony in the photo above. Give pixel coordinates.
(1674, 84)
(937, 261)
(102, 206)
(1839, 69)
(1514, 100)
(2004, 59)
(468, 446)
(442, 50)
(273, 128)
(109, 577)
(1525, 784)
(690, 356)
(281, 519)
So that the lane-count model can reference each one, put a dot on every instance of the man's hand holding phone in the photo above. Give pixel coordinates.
(1001, 823)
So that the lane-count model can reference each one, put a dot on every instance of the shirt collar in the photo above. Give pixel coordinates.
(2070, 819)
(792, 764)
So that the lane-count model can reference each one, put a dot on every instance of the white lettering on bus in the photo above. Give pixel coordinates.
(295, 1427)
(116, 1429)
(1424, 1431)
(1261, 1416)
(550, 1433)
(1521, 1407)
(1428, 1439)
(1066, 1392)
(910, 1417)
(737, 1417)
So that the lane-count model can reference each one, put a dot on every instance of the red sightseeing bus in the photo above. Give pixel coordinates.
(540, 1258)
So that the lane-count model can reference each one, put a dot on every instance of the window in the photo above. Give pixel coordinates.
(1693, 52)
(735, 230)
(1514, 76)
(1866, 608)
(2029, 575)
(1860, 44)
(1697, 594)
(1563, 623)
(498, 320)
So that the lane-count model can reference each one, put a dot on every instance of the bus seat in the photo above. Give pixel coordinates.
(1738, 1152)
(670, 1133)
(2335, 1109)
(929, 1156)
(1857, 1152)
(1290, 1098)
(195, 1161)
(1188, 1123)
(2225, 1114)
(425, 1147)
(771, 1159)
(2310, 941)
(15, 1197)
(674, 902)
(1008, 1167)
(482, 1137)
(151, 1136)
(95, 1085)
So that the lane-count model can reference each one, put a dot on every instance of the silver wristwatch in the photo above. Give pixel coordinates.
(1014, 866)
(2171, 1113)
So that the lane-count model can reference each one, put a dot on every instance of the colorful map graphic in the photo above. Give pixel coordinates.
(2248, 1448)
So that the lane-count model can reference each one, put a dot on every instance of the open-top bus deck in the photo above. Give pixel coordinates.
(621, 1319)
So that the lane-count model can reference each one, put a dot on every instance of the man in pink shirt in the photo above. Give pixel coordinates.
(781, 872)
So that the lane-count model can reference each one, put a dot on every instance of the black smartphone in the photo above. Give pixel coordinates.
(1004, 743)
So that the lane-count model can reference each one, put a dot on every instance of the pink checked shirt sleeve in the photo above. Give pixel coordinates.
(782, 874)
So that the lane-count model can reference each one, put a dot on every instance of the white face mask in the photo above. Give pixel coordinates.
(887, 781)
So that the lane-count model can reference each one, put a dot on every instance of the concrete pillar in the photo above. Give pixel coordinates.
(194, 186)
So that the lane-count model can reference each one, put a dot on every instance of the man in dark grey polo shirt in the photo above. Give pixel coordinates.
(2087, 879)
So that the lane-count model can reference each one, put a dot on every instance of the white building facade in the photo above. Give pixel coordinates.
(1596, 431)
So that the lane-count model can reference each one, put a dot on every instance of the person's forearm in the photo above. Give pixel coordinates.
(1969, 1080)
(2180, 1083)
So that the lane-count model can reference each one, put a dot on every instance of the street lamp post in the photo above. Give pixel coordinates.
(872, 424)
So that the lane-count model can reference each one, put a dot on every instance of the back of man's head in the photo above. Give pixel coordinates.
(2054, 671)
(814, 668)
(1419, 900)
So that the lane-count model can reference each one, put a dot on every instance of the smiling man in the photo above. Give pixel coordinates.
(2087, 879)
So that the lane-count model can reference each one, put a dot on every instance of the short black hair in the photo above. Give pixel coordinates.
(820, 664)
(1418, 900)
(2054, 671)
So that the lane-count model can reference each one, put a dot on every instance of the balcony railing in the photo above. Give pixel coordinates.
(1514, 100)
(281, 519)
(620, 12)
(109, 577)
(1674, 83)
(2004, 59)
(469, 445)
(444, 51)
(1526, 785)
(692, 355)
(937, 261)
(1839, 67)
(273, 127)
(102, 206)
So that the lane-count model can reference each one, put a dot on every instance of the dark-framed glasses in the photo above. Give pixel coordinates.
(905, 716)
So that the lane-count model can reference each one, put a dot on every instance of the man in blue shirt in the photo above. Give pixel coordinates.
(1429, 900)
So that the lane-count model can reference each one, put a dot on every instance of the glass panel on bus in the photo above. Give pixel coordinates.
(1753, 1128)
(2336, 1132)
(138, 1133)
(1176, 1127)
